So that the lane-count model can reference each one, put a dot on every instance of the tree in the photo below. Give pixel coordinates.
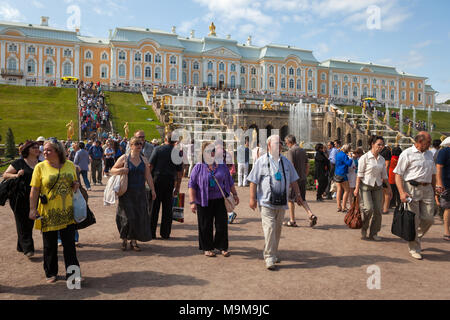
(447, 102)
(10, 145)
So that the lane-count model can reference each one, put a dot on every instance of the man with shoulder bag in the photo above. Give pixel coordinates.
(415, 177)
(271, 176)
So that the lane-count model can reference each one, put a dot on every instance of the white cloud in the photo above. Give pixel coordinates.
(423, 44)
(321, 51)
(414, 60)
(442, 97)
(187, 26)
(9, 13)
(37, 4)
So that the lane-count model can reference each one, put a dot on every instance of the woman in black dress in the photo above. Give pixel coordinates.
(322, 165)
(22, 169)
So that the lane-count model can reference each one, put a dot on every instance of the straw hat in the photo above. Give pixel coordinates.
(40, 139)
(154, 141)
(446, 142)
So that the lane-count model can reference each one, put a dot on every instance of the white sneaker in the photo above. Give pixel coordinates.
(416, 255)
(376, 238)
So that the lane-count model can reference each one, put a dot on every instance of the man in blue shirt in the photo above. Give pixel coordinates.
(443, 184)
(96, 154)
(270, 178)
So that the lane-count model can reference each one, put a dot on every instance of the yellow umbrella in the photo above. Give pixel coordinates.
(371, 99)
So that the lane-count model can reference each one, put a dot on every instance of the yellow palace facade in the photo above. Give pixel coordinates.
(39, 54)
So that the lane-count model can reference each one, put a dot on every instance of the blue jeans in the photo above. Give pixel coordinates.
(77, 236)
(84, 174)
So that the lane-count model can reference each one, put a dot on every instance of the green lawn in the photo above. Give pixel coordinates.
(441, 119)
(37, 111)
(127, 107)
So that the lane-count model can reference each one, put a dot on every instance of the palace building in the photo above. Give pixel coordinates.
(38, 54)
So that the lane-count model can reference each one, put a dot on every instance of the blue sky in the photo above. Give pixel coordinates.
(413, 35)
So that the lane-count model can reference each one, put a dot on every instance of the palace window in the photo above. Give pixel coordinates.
(403, 84)
(210, 65)
(242, 70)
(173, 74)
(242, 82)
(137, 72)
(420, 85)
(355, 79)
(392, 95)
(365, 80)
(310, 85)
(299, 72)
(148, 72)
(345, 91)
(345, 79)
(233, 67)
(253, 83)
(122, 55)
(173, 60)
(12, 64)
(31, 50)
(137, 56)
(253, 71)
(104, 56)
(299, 84)
(283, 70)
(355, 91)
(68, 54)
(88, 55)
(31, 66)
(221, 66)
(411, 85)
(271, 69)
(323, 88)
(411, 96)
(157, 73)
(323, 76)
(12, 47)
(184, 79)
(49, 67)
(374, 92)
(383, 94)
(335, 90)
(291, 83)
(196, 65)
(148, 57)
(88, 71)
(336, 77)
(196, 79)
(271, 82)
(310, 73)
(291, 71)
(365, 91)
(403, 95)
(49, 51)
(392, 84)
(283, 83)
(67, 69)
(104, 72)
(210, 80)
(383, 82)
(122, 71)
(158, 58)
(233, 82)
(374, 81)
(184, 64)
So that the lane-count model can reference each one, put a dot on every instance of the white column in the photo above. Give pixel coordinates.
(2, 54)
(238, 77)
(39, 71)
(113, 64)
(330, 83)
(58, 65)
(77, 62)
(205, 72)
(264, 76)
(180, 70)
(22, 63)
(131, 56)
(164, 76)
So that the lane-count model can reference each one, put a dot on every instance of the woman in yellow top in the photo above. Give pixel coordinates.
(56, 180)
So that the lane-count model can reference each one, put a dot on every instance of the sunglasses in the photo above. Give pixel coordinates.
(53, 140)
(138, 144)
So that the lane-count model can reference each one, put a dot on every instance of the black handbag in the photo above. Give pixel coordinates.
(89, 221)
(403, 224)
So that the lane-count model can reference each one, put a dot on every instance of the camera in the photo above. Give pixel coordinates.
(43, 199)
(278, 199)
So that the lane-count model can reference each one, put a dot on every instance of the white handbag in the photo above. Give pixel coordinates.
(230, 203)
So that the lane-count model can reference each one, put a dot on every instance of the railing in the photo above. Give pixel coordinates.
(11, 73)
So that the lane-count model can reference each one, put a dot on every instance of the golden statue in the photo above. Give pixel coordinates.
(212, 30)
(208, 96)
(368, 127)
(409, 130)
(364, 106)
(397, 138)
(127, 129)
(345, 114)
(385, 118)
(70, 130)
(267, 105)
(162, 105)
(326, 103)
(301, 144)
(154, 93)
(254, 138)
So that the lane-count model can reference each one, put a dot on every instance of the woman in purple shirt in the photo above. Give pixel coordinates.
(207, 201)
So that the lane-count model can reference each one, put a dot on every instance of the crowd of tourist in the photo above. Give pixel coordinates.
(94, 113)
(381, 178)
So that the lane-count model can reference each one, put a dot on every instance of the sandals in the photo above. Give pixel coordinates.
(134, 246)
(210, 254)
(339, 210)
(226, 254)
(292, 224)
(124, 245)
(312, 221)
(51, 280)
(446, 237)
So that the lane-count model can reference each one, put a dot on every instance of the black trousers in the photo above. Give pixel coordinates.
(323, 183)
(215, 214)
(96, 170)
(24, 225)
(395, 201)
(51, 250)
(164, 196)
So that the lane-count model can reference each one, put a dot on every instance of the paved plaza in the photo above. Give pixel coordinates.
(328, 261)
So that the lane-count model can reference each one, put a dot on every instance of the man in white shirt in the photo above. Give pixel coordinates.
(415, 177)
